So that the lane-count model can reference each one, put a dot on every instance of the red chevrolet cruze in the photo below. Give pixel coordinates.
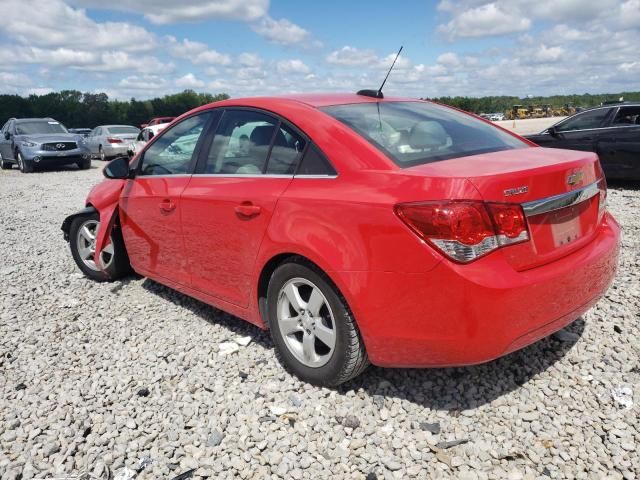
(358, 229)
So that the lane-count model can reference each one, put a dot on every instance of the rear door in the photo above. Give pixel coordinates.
(580, 132)
(619, 146)
(6, 144)
(150, 204)
(230, 200)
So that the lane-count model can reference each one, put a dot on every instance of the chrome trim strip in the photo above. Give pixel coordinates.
(239, 175)
(563, 200)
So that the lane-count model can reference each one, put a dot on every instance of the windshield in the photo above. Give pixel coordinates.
(40, 127)
(415, 133)
(123, 130)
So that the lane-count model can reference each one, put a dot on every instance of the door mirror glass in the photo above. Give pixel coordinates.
(552, 131)
(117, 168)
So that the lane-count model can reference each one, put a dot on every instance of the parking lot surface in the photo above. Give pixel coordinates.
(96, 378)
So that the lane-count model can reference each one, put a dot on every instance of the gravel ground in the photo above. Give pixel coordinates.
(96, 378)
(529, 126)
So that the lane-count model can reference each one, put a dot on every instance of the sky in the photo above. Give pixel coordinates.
(148, 48)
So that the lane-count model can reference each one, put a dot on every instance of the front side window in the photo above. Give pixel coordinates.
(584, 121)
(242, 142)
(40, 127)
(415, 133)
(171, 154)
(627, 116)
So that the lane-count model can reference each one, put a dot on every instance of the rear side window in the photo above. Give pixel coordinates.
(415, 133)
(584, 121)
(286, 151)
(315, 163)
(627, 116)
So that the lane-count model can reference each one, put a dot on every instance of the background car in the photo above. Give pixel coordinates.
(357, 229)
(144, 136)
(611, 131)
(110, 141)
(158, 121)
(33, 142)
(80, 131)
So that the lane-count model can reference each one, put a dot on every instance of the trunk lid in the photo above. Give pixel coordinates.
(526, 176)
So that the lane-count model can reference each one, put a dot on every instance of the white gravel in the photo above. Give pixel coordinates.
(98, 377)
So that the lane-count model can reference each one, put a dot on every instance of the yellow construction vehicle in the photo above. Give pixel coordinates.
(517, 112)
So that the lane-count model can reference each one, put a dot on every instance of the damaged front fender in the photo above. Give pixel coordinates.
(103, 199)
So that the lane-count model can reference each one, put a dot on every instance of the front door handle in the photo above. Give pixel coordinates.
(167, 206)
(247, 209)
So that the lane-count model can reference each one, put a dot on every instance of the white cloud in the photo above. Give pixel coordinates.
(189, 81)
(449, 59)
(295, 66)
(52, 23)
(484, 20)
(170, 11)
(250, 60)
(281, 31)
(196, 52)
(351, 57)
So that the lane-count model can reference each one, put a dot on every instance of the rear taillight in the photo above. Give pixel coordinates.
(465, 230)
(114, 140)
(602, 203)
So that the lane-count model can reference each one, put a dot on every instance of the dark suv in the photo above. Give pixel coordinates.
(32, 142)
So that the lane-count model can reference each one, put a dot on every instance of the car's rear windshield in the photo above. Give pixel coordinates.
(123, 130)
(415, 133)
(39, 127)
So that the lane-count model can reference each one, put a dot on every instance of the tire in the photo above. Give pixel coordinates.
(101, 154)
(80, 242)
(4, 165)
(25, 166)
(314, 360)
(84, 164)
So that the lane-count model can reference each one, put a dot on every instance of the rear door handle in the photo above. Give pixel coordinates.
(167, 206)
(248, 210)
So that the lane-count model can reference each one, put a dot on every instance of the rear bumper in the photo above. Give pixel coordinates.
(116, 150)
(469, 314)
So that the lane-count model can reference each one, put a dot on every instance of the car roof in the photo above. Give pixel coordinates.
(109, 126)
(313, 99)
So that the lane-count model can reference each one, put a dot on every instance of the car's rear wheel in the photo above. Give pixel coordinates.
(25, 166)
(82, 239)
(4, 165)
(101, 154)
(314, 333)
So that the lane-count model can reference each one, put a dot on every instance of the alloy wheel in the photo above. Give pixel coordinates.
(306, 322)
(20, 161)
(86, 243)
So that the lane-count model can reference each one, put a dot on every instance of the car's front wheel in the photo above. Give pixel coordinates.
(4, 165)
(314, 333)
(84, 164)
(82, 239)
(25, 166)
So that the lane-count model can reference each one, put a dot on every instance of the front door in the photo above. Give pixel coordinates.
(580, 132)
(230, 200)
(150, 204)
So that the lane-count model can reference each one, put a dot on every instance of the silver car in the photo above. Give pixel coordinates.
(110, 141)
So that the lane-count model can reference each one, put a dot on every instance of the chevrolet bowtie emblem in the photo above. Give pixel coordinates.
(575, 178)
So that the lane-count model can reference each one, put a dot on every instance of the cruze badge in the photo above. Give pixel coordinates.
(59, 146)
(516, 191)
(575, 178)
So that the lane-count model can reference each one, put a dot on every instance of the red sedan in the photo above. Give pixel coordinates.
(357, 229)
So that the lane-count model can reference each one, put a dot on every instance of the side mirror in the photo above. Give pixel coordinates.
(553, 131)
(7, 136)
(117, 169)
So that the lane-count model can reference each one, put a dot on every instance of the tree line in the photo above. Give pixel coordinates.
(504, 103)
(75, 109)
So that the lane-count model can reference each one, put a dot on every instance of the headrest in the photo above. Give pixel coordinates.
(427, 134)
(262, 135)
